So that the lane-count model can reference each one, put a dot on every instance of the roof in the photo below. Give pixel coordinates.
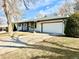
(52, 18)
(43, 19)
(23, 21)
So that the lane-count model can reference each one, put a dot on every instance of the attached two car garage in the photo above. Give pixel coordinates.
(52, 27)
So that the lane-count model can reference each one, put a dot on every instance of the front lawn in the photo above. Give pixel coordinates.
(49, 48)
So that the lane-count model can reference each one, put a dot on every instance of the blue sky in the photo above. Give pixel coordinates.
(46, 7)
(39, 6)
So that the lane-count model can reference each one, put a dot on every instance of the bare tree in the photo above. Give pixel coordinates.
(67, 8)
(76, 6)
(7, 10)
(11, 9)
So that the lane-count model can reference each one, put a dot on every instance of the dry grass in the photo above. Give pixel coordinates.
(50, 48)
(6, 35)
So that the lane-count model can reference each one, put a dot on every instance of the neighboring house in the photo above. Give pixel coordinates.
(3, 24)
(3, 28)
(52, 25)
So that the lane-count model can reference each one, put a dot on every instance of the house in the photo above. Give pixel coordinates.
(3, 28)
(3, 24)
(52, 25)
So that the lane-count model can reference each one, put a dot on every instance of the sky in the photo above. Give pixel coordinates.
(42, 7)
(38, 7)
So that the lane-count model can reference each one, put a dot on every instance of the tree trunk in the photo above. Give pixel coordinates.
(8, 16)
(10, 27)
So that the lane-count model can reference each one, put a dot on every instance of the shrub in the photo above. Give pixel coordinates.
(72, 26)
(14, 27)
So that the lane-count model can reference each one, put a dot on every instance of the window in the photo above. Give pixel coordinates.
(19, 25)
(33, 25)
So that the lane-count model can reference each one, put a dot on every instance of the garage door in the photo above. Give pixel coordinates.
(55, 28)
